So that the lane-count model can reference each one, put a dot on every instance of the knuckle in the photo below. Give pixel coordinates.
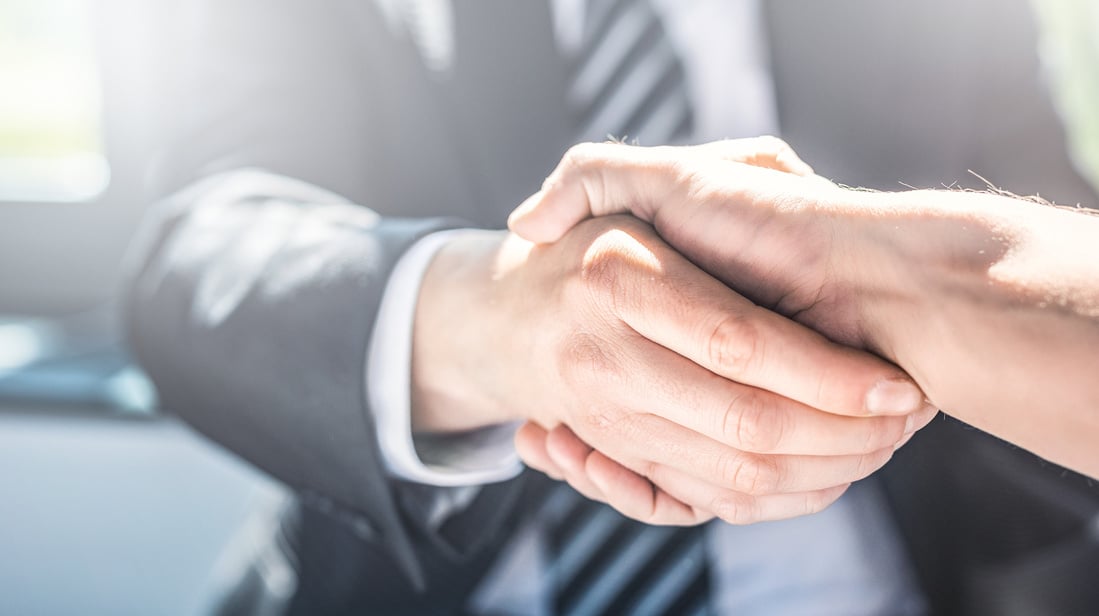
(749, 474)
(649, 470)
(872, 436)
(584, 358)
(699, 516)
(577, 160)
(603, 270)
(771, 143)
(751, 423)
(869, 463)
(881, 432)
(616, 271)
(725, 507)
(602, 421)
(573, 159)
(734, 346)
(815, 502)
(581, 153)
(735, 510)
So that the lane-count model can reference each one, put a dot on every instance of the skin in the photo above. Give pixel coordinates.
(728, 409)
(990, 303)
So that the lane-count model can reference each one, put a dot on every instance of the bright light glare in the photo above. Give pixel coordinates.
(19, 346)
(50, 131)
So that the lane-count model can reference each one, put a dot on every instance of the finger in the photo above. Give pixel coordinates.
(530, 443)
(566, 198)
(636, 497)
(918, 422)
(767, 151)
(596, 179)
(626, 491)
(698, 317)
(569, 453)
(661, 442)
(741, 416)
(705, 499)
(737, 508)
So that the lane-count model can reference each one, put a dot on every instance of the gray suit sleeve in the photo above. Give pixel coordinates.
(251, 297)
(251, 304)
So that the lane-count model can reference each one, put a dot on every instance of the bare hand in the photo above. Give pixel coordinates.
(761, 231)
(989, 302)
(610, 338)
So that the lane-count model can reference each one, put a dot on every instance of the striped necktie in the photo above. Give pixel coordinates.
(628, 83)
(627, 80)
(604, 563)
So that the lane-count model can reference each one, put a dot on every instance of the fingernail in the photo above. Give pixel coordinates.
(928, 412)
(920, 419)
(894, 397)
(909, 424)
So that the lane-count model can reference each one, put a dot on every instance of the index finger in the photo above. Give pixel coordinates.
(699, 318)
(596, 179)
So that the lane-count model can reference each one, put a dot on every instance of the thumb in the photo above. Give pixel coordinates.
(595, 179)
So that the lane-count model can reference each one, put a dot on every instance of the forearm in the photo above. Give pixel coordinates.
(992, 305)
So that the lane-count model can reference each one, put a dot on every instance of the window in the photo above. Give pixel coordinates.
(51, 145)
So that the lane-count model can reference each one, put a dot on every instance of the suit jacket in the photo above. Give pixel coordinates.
(252, 299)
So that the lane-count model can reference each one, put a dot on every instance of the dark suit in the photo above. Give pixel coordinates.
(252, 305)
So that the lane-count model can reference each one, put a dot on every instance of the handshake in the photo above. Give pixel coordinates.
(715, 331)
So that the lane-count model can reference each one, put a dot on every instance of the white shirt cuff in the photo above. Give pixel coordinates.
(467, 459)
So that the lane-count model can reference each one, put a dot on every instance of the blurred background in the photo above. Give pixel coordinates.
(106, 505)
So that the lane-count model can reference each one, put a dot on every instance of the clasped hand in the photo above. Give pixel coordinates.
(646, 382)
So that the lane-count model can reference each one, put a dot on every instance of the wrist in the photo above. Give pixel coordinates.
(912, 259)
(453, 331)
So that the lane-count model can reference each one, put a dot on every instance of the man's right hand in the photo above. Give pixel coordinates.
(609, 334)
